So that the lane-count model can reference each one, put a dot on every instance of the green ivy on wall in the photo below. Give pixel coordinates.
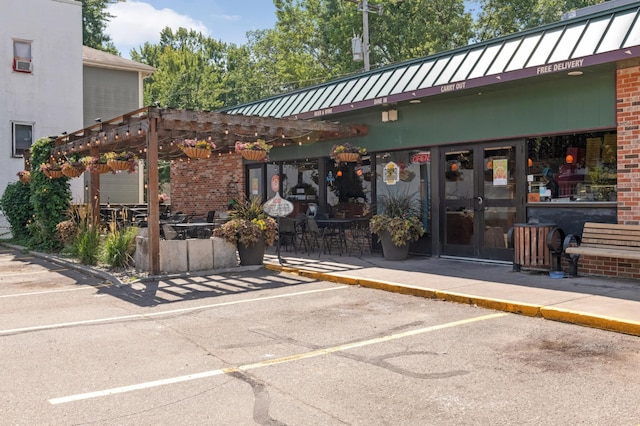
(50, 199)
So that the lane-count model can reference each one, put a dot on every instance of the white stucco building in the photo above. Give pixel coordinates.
(40, 78)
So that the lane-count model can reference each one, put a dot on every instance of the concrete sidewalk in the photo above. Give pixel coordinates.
(604, 303)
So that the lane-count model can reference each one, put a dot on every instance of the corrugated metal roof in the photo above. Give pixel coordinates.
(603, 37)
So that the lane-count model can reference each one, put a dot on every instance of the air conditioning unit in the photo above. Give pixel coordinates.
(22, 65)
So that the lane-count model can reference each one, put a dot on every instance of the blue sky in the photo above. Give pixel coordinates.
(138, 21)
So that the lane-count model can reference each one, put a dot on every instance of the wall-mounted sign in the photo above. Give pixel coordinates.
(421, 157)
(391, 173)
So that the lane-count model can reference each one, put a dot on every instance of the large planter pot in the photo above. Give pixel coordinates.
(251, 255)
(390, 250)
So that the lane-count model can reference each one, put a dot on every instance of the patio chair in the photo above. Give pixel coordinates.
(287, 233)
(359, 238)
(312, 235)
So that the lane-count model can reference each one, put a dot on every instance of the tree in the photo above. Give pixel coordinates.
(191, 70)
(94, 23)
(502, 17)
(312, 38)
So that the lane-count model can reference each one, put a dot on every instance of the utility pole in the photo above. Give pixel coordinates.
(365, 8)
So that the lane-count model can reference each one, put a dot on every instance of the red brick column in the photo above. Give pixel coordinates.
(628, 118)
(198, 186)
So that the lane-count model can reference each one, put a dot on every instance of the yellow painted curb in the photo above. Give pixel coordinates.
(495, 304)
(603, 323)
(553, 314)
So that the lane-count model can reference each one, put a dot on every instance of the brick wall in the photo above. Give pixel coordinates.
(198, 186)
(628, 117)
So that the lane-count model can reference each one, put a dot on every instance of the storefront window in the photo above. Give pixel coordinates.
(349, 187)
(406, 172)
(300, 185)
(576, 167)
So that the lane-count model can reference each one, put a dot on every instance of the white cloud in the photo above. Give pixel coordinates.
(135, 23)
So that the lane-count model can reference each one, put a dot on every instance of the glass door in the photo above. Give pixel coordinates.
(480, 199)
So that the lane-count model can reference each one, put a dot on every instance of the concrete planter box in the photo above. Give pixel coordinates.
(188, 255)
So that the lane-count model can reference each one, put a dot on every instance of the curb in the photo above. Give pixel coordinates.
(531, 310)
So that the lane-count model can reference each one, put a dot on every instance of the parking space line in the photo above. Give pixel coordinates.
(291, 358)
(161, 313)
(36, 293)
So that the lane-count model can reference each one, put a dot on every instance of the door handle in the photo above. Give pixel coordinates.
(480, 201)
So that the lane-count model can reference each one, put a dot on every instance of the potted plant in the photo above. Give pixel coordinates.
(196, 148)
(97, 164)
(346, 153)
(254, 151)
(73, 167)
(52, 169)
(397, 225)
(251, 229)
(125, 160)
(24, 176)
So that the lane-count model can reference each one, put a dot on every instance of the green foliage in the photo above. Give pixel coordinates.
(86, 246)
(501, 17)
(49, 200)
(94, 24)
(119, 247)
(16, 208)
(399, 216)
(248, 224)
(190, 72)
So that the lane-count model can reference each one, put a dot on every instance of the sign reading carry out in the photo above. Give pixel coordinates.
(278, 206)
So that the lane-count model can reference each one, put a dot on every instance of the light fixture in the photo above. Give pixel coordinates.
(415, 101)
(529, 162)
(339, 173)
(574, 73)
(569, 159)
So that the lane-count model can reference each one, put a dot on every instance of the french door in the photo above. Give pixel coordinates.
(482, 196)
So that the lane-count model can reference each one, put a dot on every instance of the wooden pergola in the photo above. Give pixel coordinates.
(150, 132)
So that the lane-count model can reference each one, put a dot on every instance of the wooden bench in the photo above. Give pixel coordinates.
(603, 239)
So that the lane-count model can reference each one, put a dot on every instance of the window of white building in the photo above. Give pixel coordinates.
(22, 56)
(22, 137)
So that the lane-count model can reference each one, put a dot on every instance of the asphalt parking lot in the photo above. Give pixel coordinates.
(262, 347)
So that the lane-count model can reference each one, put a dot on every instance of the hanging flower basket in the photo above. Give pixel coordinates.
(73, 169)
(194, 148)
(24, 176)
(97, 164)
(122, 161)
(348, 157)
(253, 155)
(193, 152)
(103, 168)
(253, 151)
(51, 170)
(118, 164)
(346, 153)
(53, 174)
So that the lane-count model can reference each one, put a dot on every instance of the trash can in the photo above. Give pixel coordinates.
(537, 246)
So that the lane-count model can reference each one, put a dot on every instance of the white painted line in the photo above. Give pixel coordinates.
(36, 293)
(305, 355)
(43, 271)
(162, 313)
